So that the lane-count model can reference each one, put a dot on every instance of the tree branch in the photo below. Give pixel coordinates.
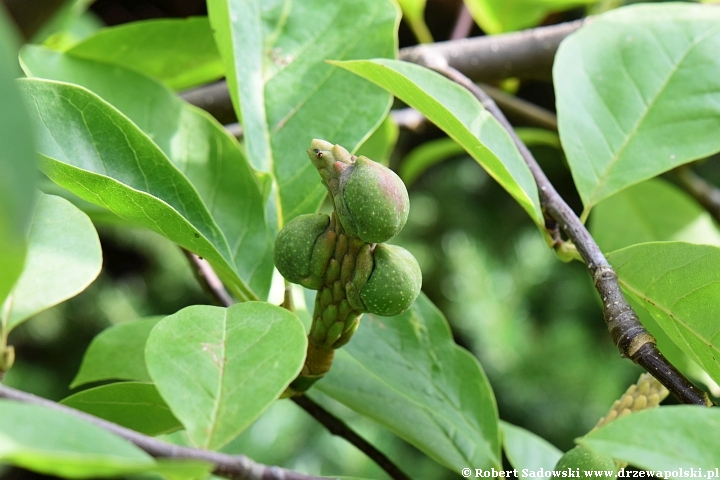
(212, 284)
(209, 280)
(340, 428)
(233, 467)
(705, 193)
(527, 54)
(631, 338)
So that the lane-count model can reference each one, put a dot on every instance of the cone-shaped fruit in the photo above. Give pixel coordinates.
(585, 459)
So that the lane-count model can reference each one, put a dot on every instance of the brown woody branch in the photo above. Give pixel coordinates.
(233, 467)
(706, 194)
(631, 338)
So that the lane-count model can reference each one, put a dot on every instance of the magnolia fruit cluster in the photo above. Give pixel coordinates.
(371, 206)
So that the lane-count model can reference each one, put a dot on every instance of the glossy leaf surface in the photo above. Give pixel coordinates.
(458, 113)
(286, 95)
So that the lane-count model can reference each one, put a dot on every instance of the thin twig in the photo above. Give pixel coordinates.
(705, 193)
(631, 338)
(233, 467)
(209, 280)
(463, 24)
(518, 108)
(340, 428)
(334, 425)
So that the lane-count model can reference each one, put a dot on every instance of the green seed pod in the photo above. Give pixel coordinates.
(585, 459)
(370, 199)
(374, 200)
(394, 283)
(295, 245)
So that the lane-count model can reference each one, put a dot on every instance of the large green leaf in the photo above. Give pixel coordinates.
(528, 452)
(197, 144)
(679, 284)
(133, 405)
(56, 443)
(218, 369)
(96, 152)
(497, 16)
(638, 93)
(407, 373)
(117, 353)
(17, 164)
(63, 258)
(457, 112)
(180, 52)
(651, 211)
(664, 438)
(284, 92)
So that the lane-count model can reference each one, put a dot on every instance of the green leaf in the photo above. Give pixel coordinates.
(498, 16)
(458, 113)
(180, 52)
(414, 14)
(218, 369)
(195, 142)
(407, 373)
(664, 438)
(427, 155)
(63, 258)
(284, 92)
(679, 284)
(380, 144)
(96, 152)
(651, 211)
(638, 93)
(117, 353)
(56, 443)
(525, 450)
(17, 164)
(133, 405)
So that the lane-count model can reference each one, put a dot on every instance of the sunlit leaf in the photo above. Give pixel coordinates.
(638, 93)
(180, 52)
(218, 369)
(679, 284)
(664, 438)
(498, 16)
(458, 113)
(285, 93)
(197, 144)
(651, 211)
(56, 443)
(96, 152)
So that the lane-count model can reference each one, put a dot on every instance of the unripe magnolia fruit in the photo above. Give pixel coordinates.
(375, 200)
(394, 283)
(295, 245)
(585, 459)
(370, 199)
